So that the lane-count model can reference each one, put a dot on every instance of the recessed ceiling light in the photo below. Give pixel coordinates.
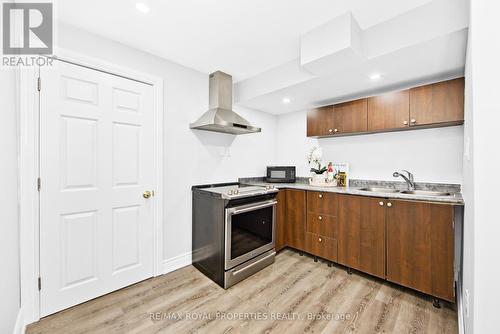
(375, 76)
(142, 7)
(286, 100)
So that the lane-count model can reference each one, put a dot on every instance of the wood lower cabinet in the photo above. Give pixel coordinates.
(296, 218)
(320, 122)
(280, 236)
(406, 242)
(361, 233)
(322, 203)
(389, 111)
(350, 117)
(321, 246)
(321, 226)
(420, 247)
(442, 102)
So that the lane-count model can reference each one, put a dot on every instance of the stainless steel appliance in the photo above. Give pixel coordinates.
(283, 174)
(233, 230)
(220, 117)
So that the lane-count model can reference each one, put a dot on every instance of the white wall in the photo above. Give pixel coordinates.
(191, 157)
(9, 234)
(433, 155)
(468, 193)
(485, 119)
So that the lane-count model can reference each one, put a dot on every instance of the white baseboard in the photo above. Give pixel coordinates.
(20, 327)
(176, 262)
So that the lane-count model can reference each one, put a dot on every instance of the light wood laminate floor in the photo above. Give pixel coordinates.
(294, 295)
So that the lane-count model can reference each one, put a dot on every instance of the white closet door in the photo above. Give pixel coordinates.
(96, 162)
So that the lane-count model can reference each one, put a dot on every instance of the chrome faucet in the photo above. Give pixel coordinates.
(409, 179)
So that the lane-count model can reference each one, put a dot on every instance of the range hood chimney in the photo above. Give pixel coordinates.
(220, 117)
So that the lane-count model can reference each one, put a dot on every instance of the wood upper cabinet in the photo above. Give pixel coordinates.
(350, 117)
(296, 218)
(442, 102)
(420, 247)
(439, 104)
(389, 111)
(280, 234)
(361, 233)
(320, 122)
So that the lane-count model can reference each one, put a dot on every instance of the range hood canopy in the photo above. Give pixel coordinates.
(220, 117)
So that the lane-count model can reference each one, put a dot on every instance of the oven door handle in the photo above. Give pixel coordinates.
(252, 207)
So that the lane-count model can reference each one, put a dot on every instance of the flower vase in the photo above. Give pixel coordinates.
(318, 179)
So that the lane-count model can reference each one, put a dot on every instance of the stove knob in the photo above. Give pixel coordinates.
(236, 191)
(230, 192)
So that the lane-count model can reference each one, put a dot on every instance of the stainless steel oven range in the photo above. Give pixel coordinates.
(233, 230)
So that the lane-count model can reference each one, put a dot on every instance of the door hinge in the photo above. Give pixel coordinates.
(39, 84)
(38, 184)
(39, 283)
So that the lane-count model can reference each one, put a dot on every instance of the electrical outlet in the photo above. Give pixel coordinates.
(466, 304)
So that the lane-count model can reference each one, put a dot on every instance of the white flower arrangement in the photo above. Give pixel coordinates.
(314, 159)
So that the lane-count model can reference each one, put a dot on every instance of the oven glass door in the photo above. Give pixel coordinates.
(249, 231)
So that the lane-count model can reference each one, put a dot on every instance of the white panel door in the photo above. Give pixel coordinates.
(96, 161)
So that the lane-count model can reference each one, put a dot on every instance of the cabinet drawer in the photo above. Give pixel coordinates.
(322, 203)
(322, 224)
(321, 246)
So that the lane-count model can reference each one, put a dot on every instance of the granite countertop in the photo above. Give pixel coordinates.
(356, 185)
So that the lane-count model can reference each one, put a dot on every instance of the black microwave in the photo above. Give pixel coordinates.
(283, 174)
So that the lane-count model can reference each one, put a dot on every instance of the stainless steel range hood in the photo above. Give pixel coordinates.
(220, 117)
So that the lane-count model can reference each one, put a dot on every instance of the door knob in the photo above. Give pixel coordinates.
(381, 203)
(389, 204)
(146, 194)
(319, 239)
(320, 218)
(320, 196)
(405, 122)
(413, 121)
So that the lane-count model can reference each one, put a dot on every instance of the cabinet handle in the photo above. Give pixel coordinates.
(389, 204)
(413, 121)
(320, 218)
(381, 203)
(319, 239)
(405, 122)
(320, 196)
(335, 130)
(330, 130)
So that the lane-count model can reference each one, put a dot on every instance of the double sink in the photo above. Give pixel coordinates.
(409, 192)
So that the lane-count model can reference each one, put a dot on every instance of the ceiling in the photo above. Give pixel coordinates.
(240, 37)
(310, 53)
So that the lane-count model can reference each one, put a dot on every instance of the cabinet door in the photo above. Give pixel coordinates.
(280, 236)
(320, 121)
(420, 246)
(350, 117)
(442, 102)
(389, 111)
(323, 203)
(321, 246)
(296, 218)
(321, 224)
(361, 234)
